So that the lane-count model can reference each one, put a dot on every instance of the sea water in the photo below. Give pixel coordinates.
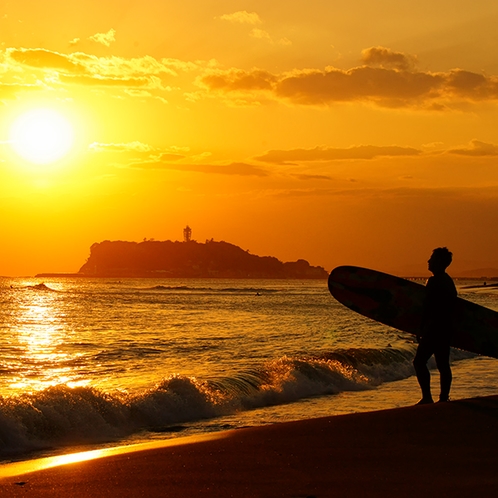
(92, 362)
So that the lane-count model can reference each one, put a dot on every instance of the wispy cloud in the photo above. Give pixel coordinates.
(104, 38)
(306, 176)
(10, 91)
(236, 168)
(120, 147)
(95, 80)
(138, 155)
(242, 17)
(367, 152)
(81, 63)
(264, 35)
(253, 19)
(46, 59)
(82, 69)
(476, 148)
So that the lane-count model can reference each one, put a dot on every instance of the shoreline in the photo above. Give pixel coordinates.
(447, 449)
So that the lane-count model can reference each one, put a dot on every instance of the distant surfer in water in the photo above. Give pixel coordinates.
(437, 326)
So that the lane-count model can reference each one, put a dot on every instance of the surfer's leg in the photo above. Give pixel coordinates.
(424, 352)
(442, 356)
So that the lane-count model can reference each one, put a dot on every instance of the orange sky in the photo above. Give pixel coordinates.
(342, 133)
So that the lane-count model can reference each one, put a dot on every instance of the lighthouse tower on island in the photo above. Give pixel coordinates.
(187, 234)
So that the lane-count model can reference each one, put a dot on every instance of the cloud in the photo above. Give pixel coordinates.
(120, 67)
(466, 83)
(239, 80)
(260, 33)
(335, 154)
(169, 156)
(143, 156)
(358, 84)
(104, 38)
(305, 176)
(138, 155)
(120, 147)
(251, 18)
(387, 78)
(264, 35)
(238, 169)
(10, 91)
(242, 17)
(460, 195)
(477, 148)
(81, 63)
(385, 57)
(94, 80)
(45, 59)
(82, 69)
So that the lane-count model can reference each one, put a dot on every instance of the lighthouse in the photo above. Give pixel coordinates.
(187, 234)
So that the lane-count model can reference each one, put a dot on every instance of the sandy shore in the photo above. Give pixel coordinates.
(448, 449)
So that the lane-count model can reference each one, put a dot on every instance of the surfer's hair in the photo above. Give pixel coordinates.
(443, 255)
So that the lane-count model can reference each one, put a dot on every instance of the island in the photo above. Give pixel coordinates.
(187, 259)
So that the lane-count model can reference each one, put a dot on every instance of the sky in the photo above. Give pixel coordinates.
(337, 132)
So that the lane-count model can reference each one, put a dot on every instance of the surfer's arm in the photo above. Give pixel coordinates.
(428, 306)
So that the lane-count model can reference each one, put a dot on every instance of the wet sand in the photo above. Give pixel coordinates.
(446, 449)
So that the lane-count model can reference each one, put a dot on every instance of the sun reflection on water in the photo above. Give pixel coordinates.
(39, 358)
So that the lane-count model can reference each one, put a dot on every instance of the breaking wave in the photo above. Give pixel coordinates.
(63, 416)
(40, 287)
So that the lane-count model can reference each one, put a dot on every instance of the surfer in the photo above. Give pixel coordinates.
(437, 326)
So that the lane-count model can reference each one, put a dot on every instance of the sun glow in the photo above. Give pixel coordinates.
(42, 136)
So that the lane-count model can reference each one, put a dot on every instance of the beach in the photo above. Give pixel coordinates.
(445, 449)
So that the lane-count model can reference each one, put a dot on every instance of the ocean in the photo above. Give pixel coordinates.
(88, 363)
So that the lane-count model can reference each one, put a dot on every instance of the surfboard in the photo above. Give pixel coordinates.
(399, 302)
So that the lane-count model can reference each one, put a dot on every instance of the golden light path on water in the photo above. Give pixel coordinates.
(39, 334)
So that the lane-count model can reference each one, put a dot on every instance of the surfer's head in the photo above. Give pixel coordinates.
(440, 260)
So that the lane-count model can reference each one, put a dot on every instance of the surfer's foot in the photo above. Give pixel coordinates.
(444, 400)
(425, 401)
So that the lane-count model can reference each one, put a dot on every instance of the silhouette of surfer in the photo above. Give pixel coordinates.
(437, 326)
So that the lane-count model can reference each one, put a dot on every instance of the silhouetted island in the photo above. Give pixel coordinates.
(188, 259)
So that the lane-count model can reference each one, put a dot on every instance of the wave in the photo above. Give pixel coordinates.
(40, 287)
(63, 416)
(186, 288)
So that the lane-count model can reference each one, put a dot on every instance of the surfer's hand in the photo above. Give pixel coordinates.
(419, 338)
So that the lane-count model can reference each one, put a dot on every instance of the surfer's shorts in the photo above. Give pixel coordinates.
(428, 346)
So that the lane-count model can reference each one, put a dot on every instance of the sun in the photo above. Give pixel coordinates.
(42, 136)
